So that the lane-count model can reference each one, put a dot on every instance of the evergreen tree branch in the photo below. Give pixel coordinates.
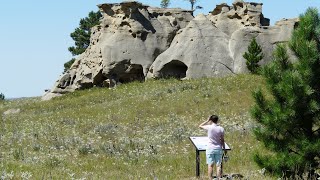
(315, 131)
(292, 151)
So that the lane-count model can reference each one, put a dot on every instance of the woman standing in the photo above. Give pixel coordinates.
(215, 144)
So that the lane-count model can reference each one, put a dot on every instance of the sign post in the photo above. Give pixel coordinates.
(200, 143)
(197, 163)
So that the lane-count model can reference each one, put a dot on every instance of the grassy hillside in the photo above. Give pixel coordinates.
(136, 131)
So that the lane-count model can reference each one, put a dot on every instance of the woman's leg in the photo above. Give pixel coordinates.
(219, 171)
(218, 161)
(210, 171)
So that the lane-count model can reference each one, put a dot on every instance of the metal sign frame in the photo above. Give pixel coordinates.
(200, 143)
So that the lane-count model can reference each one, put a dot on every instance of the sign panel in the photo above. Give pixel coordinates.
(201, 143)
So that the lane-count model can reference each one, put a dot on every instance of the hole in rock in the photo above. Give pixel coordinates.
(174, 69)
(125, 72)
(134, 72)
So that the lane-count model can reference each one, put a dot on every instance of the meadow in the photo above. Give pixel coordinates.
(135, 131)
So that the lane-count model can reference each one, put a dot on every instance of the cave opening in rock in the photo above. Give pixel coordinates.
(174, 69)
(123, 72)
(98, 79)
(134, 72)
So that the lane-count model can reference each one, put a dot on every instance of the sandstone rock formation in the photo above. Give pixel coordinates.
(268, 37)
(201, 49)
(213, 45)
(135, 42)
(231, 18)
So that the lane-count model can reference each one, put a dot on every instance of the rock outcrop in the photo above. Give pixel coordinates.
(201, 49)
(213, 45)
(231, 18)
(267, 37)
(135, 42)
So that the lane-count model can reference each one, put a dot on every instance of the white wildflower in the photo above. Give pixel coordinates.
(26, 175)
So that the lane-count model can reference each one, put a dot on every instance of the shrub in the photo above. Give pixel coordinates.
(18, 154)
(2, 97)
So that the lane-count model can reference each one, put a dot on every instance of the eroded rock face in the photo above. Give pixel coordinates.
(135, 42)
(214, 45)
(124, 45)
(241, 14)
(199, 50)
(267, 37)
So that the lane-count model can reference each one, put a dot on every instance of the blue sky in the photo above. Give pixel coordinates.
(35, 36)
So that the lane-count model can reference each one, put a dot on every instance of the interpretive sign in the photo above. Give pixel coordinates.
(200, 143)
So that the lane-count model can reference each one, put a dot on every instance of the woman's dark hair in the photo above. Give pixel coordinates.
(214, 118)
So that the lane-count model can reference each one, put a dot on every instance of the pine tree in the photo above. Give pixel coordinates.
(68, 64)
(253, 56)
(290, 121)
(81, 35)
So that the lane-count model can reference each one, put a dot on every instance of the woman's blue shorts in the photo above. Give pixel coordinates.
(214, 156)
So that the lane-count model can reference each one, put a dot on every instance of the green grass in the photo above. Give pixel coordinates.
(136, 131)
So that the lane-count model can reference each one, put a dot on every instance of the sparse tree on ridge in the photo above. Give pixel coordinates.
(81, 35)
(165, 4)
(289, 123)
(253, 56)
(193, 2)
